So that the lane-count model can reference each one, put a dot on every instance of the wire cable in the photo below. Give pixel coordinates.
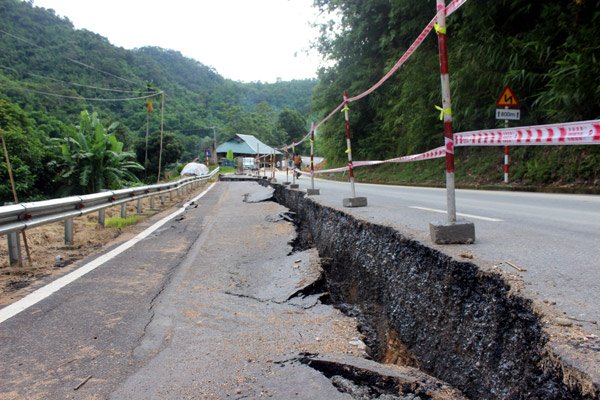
(72, 59)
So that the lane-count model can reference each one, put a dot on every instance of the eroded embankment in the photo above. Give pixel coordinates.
(421, 308)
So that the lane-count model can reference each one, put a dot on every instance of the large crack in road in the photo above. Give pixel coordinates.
(419, 307)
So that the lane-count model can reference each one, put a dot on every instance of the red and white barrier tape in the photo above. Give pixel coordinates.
(451, 8)
(571, 133)
(428, 155)
(586, 132)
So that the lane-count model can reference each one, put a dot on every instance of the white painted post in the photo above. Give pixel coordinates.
(446, 110)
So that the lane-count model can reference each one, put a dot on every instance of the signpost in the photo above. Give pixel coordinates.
(510, 111)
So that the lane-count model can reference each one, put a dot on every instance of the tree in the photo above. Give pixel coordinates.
(292, 123)
(28, 152)
(92, 159)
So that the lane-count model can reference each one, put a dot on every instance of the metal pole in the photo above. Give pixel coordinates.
(312, 156)
(258, 160)
(14, 246)
(102, 217)
(506, 153)
(273, 164)
(287, 165)
(446, 110)
(214, 145)
(348, 144)
(147, 133)
(293, 162)
(69, 231)
(162, 115)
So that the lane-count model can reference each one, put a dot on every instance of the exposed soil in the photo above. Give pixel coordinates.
(46, 243)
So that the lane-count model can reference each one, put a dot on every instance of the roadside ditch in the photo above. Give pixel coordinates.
(420, 308)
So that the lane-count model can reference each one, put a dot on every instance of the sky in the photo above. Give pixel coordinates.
(243, 40)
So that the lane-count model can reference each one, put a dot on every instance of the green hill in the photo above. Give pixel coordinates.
(50, 72)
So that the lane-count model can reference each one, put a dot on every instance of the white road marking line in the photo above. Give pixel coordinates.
(43, 292)
(461, 214)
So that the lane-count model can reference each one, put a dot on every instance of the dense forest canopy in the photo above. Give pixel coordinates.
(51, 72)
(548, 52)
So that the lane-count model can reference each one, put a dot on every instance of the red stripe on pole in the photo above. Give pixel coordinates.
(597, 135)
(443, 53)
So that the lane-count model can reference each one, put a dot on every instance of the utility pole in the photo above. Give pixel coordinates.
(162, 116)
(214, 145)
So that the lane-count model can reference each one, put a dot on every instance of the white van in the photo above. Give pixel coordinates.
(249, 163)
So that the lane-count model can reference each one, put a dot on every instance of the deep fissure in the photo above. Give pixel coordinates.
(419, 307)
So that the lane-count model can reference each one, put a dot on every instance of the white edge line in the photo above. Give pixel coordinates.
(461, 214)
(54, 286)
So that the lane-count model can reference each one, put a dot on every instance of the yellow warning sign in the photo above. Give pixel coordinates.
(508, 98)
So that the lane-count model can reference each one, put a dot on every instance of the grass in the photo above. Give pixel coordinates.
(545, 168)
(227, 170)
(118, 222)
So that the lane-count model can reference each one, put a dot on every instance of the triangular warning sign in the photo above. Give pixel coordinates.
(507, 98)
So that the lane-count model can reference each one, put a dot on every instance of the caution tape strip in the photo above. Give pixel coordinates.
(571, 133)
(574, 133)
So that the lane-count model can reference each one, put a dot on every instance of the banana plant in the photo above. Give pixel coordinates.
(92, 159)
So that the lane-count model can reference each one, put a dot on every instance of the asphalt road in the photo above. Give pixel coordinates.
(203, 308)
(555, 237)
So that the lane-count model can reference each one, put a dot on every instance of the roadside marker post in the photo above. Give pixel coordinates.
(452, 232)
(312, 191)
(352, 201)
(273, 167)
(287, 167)
(510, 111)
(294, 185)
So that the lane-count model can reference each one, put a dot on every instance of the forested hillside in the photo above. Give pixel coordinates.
(548, 52)
(51, 72)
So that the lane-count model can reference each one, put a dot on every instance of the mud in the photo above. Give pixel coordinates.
(421, 308)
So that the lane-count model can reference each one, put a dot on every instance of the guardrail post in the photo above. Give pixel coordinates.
(102, 217)
(14, 245)
(123, 210)
(14, 248)
(162, 199)
(151, 202)
(69, 232)
(139, 206)
(170, 197)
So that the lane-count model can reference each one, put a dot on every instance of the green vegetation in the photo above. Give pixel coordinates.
(45, 84)
(546, 51)
(120, 223)
(49, 72)
(92, 159)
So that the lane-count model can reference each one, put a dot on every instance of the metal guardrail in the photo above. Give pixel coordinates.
(18, 217)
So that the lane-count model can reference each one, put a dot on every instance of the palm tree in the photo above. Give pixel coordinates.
(92, 159)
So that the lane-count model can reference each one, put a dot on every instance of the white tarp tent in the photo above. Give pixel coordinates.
(195, 169)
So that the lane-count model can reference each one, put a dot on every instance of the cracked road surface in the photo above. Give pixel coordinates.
(202, 309)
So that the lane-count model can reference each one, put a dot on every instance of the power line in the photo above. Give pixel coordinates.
(74, 83)
(72, 59)
(85, 98)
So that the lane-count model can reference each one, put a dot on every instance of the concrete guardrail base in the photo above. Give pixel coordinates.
(461, 232)
(355, 202)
